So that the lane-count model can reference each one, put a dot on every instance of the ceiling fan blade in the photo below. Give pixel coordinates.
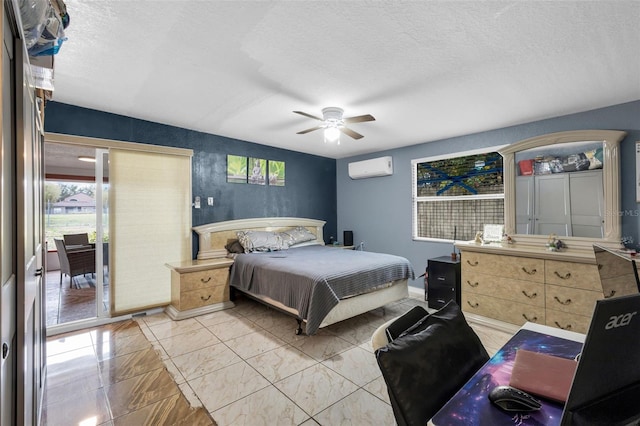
(359, 119)
(351, 133)
(307, 115)
(309, 130)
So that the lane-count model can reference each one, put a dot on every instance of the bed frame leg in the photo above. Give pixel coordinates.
(299, 329)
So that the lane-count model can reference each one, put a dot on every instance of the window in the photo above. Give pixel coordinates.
(453, 197)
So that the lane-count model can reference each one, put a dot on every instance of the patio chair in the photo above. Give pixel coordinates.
(76, 262)
(76, 239)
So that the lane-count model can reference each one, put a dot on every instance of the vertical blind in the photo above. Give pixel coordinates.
(150, 225)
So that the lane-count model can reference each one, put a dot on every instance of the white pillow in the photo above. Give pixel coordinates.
(261, 241)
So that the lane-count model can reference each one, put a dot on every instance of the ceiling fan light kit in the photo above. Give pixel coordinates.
(333, 124)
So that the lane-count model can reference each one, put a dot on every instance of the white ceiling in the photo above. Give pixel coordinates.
(426, 70)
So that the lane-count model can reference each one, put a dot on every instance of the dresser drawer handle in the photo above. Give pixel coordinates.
(473, 305)
(566, 327)
(530, 296)
(611, 294)
(474, 285)
(565, 277)
(532, 272)
(472, 264)
(566, 302)
(599, 266)
(534, 319)
(205, 281)
(204, 299)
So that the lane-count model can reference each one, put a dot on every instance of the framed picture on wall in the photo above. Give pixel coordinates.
(236, 169)
(257, 171)
(276, 173)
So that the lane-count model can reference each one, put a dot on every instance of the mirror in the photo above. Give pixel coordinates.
(565, 183)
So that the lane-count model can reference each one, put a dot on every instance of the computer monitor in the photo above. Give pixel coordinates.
(606, 385)
(618, 272)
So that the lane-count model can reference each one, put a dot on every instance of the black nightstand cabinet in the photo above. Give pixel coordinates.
(443, 281)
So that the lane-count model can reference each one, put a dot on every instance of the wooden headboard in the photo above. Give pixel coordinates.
(214, 236)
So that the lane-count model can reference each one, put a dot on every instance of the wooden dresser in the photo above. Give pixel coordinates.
(199, 287)
(517, 285)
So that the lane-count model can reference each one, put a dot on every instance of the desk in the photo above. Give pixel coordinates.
(471, 405)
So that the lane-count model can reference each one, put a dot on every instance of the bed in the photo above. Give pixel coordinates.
(303, 280)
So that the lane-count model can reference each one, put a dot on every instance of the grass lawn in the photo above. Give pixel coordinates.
(56, 225)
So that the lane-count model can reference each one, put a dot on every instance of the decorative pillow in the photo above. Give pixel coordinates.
(297, 235)
(234, 246)
(595, 158)
(261, 241)
(425, 369)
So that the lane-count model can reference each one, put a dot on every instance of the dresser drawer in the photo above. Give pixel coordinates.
(572, 300)
(571, 274)
(527, 292)
(521, 268)
(203, 279)
(568, 321)
(203, 297)
(511, 312)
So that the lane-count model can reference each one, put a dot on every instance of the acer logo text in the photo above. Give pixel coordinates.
(619, 320)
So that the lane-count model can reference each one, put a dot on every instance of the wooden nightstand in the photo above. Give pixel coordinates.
(199, 287)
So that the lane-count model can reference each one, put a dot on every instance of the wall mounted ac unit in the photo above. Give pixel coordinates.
(382, 166)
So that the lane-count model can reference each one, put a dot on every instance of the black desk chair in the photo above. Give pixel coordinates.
(424, 368)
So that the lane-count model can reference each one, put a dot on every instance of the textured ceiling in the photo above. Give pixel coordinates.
(427, 70)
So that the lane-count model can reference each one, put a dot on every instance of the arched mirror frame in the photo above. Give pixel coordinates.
(611, 185)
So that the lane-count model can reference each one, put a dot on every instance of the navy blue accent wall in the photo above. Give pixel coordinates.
(310, 189)
(379, 210)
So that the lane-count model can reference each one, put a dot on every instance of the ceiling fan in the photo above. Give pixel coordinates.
(333, 123)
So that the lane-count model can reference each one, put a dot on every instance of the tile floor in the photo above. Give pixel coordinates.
(241, 366)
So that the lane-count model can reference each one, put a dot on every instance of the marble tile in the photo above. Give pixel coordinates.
(491, 338)
(87, 406)
(190, 395)
(378, 388)
(227, 385)
(136, 392)
(68, 342)
(264, 407)
(188, 342)
(130, 365)
(359, 408)
(147, 331)
(316, 388)
(322, 345)
(167, 329)
(355, 364)
(253, 344)
(79, 367)
(280, 325)
(217, 317)
(282, 362)
(233, 328)
(356, 333)
(310, 422)
(174, 410)
(155, 319)
(174, 371)
(206, 360)
(109, 345)
(250, 308)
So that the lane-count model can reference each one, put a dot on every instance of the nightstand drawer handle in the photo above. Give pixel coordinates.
(566, 302)
(565, 277)
(205, 281)
(534, 319)
(474, 285)
(611, 294)
(204, 299)
(472, 264)
(566, 327)
(532, 272)
(530, 296)
(473, 305)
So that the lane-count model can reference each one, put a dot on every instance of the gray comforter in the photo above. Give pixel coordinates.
(313, 279)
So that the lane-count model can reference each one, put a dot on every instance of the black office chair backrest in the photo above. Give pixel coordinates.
(424, 368)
